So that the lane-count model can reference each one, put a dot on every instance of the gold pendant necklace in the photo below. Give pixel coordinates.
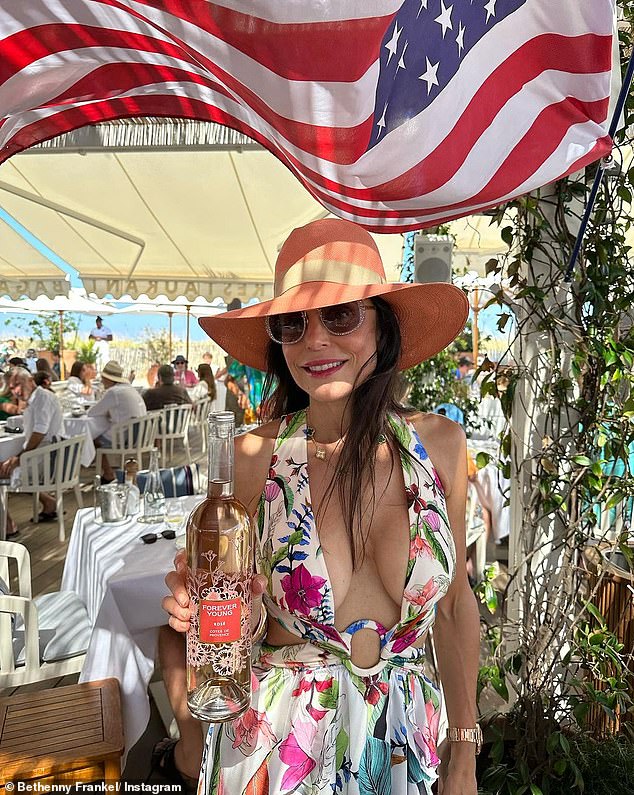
(320, 452)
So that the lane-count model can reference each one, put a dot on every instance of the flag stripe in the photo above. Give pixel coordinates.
(295, 51)
(462, 123)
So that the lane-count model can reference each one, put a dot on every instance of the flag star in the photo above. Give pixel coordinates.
(444, 19)
(393, 42)
(429, 76)
(489, 7)
(423, 4)
(401, 60)
(381, 122)
(460, 38)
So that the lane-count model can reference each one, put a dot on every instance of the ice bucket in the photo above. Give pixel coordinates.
(112, 499)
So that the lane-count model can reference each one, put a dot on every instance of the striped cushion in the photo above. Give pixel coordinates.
(177, 481)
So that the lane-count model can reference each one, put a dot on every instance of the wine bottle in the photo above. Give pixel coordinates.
(220, 567)
(153, 494)
(133, 500)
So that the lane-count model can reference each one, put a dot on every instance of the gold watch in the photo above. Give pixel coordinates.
(474, 735)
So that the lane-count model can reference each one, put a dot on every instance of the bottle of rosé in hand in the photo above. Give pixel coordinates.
(220, 538)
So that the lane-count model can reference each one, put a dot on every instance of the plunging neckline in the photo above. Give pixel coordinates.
(301, 599)
(317, 549)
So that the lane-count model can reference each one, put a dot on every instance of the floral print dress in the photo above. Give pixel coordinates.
(318, 724)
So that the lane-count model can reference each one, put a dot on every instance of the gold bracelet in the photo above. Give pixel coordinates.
(260, 630)
(474, 735)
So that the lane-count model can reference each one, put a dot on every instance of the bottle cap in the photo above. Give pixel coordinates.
(221, 423)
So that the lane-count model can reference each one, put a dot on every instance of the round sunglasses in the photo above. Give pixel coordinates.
(288, 328)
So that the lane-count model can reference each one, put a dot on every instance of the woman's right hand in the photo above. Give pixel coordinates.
(178, 605)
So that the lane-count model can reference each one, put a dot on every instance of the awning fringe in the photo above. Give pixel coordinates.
(147, 133)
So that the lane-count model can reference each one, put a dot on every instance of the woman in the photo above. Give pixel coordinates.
(206, 386)
(79, 382)
(8, 404)
(361, 538)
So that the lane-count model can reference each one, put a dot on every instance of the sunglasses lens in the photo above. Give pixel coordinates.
(342, 318)
(168, 533)
(287, 328)
(149, 538)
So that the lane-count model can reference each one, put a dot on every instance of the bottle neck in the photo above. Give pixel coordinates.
(220, 463)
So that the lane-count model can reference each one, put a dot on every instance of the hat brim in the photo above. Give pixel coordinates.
(116, 379)
(430, 316)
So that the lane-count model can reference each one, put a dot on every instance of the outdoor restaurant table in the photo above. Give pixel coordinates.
(81, 426)
(121, 581)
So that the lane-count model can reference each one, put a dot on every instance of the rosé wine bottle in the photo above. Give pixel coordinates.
(220, 537)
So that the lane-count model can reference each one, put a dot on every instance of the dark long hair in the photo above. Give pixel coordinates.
(205, 374)
(371, 400)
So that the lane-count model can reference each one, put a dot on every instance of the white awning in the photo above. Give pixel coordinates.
(164, 208)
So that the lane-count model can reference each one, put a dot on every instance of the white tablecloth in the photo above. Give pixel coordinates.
(78, 426)
(121, 581)
(11, 444)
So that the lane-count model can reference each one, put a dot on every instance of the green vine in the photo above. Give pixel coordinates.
(569, 453)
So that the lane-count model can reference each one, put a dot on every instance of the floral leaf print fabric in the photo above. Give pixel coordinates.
(318, 724)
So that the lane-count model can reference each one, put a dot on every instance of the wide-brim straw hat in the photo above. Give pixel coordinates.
(332, 261)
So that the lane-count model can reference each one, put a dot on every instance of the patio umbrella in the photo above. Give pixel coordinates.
(177, 307)
(75, 301)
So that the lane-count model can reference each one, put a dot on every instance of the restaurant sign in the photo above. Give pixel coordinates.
(33, 287)
(208, 289)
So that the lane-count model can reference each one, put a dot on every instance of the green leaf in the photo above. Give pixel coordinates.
(582, 460)
(297, 420)
(565, 745)
(274, 686)
(560, 766)
(328, 698)
(614, 500)
(342, 747)
(535, 790)
(482, 459)
(593, 610)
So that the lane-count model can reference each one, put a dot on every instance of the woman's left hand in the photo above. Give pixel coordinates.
(457, 774)
(458, 784)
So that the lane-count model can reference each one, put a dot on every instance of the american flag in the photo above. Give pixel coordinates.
(397, 114)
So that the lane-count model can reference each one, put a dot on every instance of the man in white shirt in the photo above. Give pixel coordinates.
(43, 425)
(120, 402)
(102, 336)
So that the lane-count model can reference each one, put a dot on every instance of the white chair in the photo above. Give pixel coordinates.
(476, 532)
(40, 638)
(52, 468)
(131, 439)
(174, 425)
(198, 422)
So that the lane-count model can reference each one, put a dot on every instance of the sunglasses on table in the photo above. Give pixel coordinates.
(150, 538)
(288, 328)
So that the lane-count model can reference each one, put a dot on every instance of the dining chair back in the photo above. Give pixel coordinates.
(174, 426)
(40, 638)
(200, 412)
(177, 481)
(131, 439)
(52, 468)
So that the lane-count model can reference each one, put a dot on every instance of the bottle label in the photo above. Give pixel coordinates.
(220, 620)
